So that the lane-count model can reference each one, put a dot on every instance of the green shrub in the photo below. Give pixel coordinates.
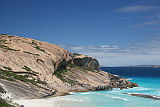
(39, 49)
(11, 76)
(31, 53)
(27, 68)
(8, 48)
(59, 74)
(41, 82)
(2, 90)
(71, 81)
(30, 70)
(3, 34)
(10, 36)
(36, 46)
(2, 41)
(7, 35)
(89, 69)
(72, 65)
(34, 43)
(7, 68)
(76, 54)
(4, 103)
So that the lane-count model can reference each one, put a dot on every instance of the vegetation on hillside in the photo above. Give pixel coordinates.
(61, 75)
(9, 75)
(2, 90)
(29, 70)
(7, 68)
(35, 45)
(31, 53)
(7, 48)
(39, 49)
(7, 35)
(2, 42)
(4, 103)
(72, 65)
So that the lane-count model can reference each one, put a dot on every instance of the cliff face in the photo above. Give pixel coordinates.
(86, 62)
(44, 66)
(26, 55)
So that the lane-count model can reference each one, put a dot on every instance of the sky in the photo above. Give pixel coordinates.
(116, 32)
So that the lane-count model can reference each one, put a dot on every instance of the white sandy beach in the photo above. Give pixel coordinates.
(36, 103)
(60, 101)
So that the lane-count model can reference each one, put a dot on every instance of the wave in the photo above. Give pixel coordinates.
(86, 93)
(129, 78)
(119, 98)
(65, 99)
(72, 92)
(140, 89)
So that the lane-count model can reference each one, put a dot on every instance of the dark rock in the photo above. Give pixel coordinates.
(135, 84)
(146, 96)
(64, 63)
(120, 82)
(114, 77)
(86, 62)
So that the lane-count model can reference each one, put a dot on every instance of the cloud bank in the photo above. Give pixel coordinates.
(141, 53)
(138, 54)
(138, 8)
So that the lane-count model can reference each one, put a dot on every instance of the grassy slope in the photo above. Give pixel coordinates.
(3, 103)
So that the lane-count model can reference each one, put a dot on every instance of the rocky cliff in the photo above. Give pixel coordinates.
(37, 69)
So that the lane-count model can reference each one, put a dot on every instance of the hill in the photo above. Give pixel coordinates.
(35, 69)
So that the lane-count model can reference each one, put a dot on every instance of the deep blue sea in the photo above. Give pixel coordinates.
(147, 78)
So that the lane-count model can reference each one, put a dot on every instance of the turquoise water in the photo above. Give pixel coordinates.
(117, 98)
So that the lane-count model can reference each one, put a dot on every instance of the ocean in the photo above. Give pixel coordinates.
(148, 79)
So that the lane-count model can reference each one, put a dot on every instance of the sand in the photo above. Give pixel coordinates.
(60, 101)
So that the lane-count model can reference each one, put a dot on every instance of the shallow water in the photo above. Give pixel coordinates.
(116, 97)
(147, 78)
(149, 84)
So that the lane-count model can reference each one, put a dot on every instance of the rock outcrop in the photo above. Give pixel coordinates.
(24, 91)
(120, 82)
(154, 97)
(47, 68)
(86, 62)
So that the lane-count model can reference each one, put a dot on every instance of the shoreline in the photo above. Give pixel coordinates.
(49, 101)
(61, 101)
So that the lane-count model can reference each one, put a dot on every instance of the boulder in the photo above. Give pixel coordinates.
(134, 84)
(86, 62)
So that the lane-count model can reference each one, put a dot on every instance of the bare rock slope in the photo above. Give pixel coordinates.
(47, 68)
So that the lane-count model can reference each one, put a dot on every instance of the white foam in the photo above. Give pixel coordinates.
(119, 98)
(116, 91)
(125, 99)
(85, 93)
(156, 96)
(7, 96)
(139, 89)
(72, 92)
(129, 78)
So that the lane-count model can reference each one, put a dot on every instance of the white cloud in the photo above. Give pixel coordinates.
(148, 23)
(142, 53)
(155, 28)
(102, 48)
(106, 46)
(156, 16)
(138, 8)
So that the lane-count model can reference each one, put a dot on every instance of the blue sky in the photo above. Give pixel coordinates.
(116, 32)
